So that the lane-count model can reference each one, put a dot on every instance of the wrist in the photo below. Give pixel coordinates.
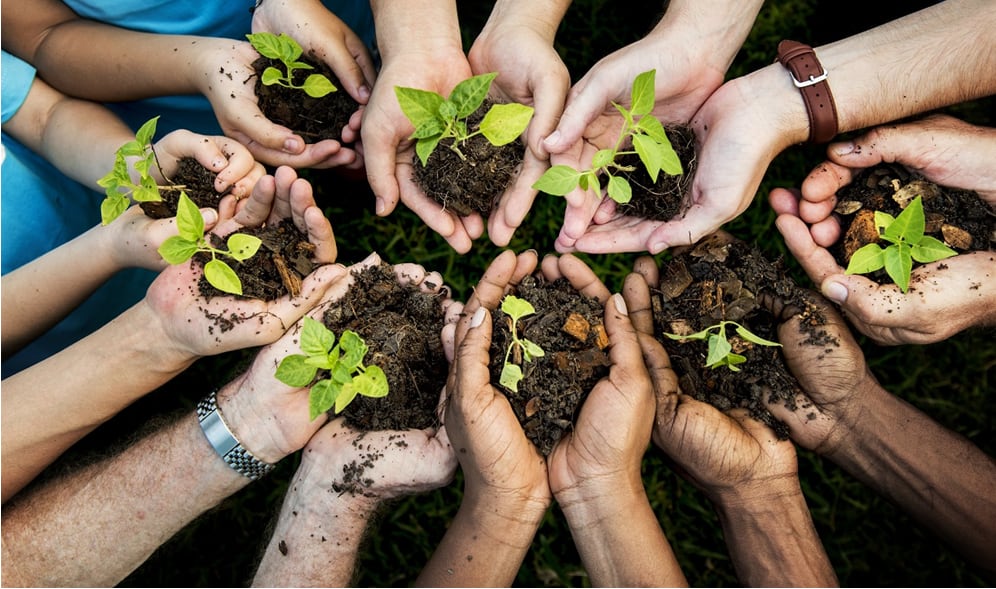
(251, 424)
(589, 504)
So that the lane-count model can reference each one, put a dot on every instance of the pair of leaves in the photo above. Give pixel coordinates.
(511, 373)
(905, 233)
(147, 190)
(288, 51)
(348, 377)
(720, 351)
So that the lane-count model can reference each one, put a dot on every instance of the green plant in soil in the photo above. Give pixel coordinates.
(907, 243)
(720, 349)
(118, 184)
(347, 375)
(436, 118)
(288, 51)
(519, 349)
(191, 239)
(649, 141)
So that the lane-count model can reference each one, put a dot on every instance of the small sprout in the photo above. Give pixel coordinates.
(720, 350)
(117, 183)
(287, 51)
(347, 376)
(511, 373)
(436, 118)
(908, 243)
(191, 239)
(649, 141)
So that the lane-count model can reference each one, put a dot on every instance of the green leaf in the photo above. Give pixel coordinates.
(651, 154)
(698, 335)
(299, 65)
(931, 249)
(316, 339)
(317, 85)
(242, 246)
(753, 338)
(146, 132)
(469, 94)
(899, 265)
(558, 180)
(867, 259)
(909, 225)
(516, 308)
(419, 106)
(504, 123)
(732, 360)
(531, 350)
(447, 110)
(221, 276)
(322, 397)
(112, 207)
(342, 373)
(189, 222)
(371, 383)
(353, 348)
(346, 395)
(425, 146)
(295, 372)
(510, 377)
(177, 250)
(267, 44)
(289, 49)
(883, 221)
(625, 114)
(642, 95)
(271, 76)
(619, 189)
(719, 348)
(427, 129)
(602, 158)
(652, 127)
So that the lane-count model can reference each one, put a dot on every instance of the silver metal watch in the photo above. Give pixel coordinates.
(225, 443)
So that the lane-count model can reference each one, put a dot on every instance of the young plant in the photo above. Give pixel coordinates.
(511, 374)
(191, 239)
(908, 243)
(649, 141)
(720, 350)
(118, 184)
(436, 118)
(347, 376)
(287, 51)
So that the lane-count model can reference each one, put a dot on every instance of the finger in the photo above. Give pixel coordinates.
(516, 202)
(605, 212)
(817, 261)
(506, 269)
(239, 162)
(472, 363)
(755, 428)
(580, 210)
(784, 201)
(646, 266)
(637, 295)
(584, 103)
(825, 180)
(320, 235)
(550, 268)
(697, 222)
(583, 278)
(624, 350)
(255, 210)
(409, 273)
(380, 154)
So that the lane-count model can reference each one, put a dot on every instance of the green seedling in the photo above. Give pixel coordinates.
(436, 118)
(649, 141)
(191, 239)
(287, 51)
(347, 376)
(907, 243)
(118, 184)
(511, 373)
(720, 350)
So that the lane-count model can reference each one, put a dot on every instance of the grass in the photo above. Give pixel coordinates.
(870, 542)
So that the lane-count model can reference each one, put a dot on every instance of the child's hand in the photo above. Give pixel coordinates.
(133, 239)
(235, 167)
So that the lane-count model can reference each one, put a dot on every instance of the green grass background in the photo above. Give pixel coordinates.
(869, 541)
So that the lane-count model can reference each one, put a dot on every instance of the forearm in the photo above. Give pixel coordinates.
(428, 27)
(619, 539)
(95, 526)
(772, 540)
(543, 17)
(715, 29)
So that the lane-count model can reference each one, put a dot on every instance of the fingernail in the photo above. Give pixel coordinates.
(552, 140)
(835, 291)
(210, 216)
(292, 146)
(363, 91)
(658, 246)
(620, 304)
(478, 318)
(379, 208)
(843, 148)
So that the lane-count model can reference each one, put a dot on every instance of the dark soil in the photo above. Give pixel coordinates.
(192, 178)
(473, 184)
(716, 280)
(568, 326)
(314, 119)
(959, 218)
(401, 326)
(665, 199)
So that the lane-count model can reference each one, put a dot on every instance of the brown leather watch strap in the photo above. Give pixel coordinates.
(810, 78)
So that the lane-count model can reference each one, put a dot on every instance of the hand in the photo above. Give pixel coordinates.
(521, 48)
(946, 297)
(235, 167)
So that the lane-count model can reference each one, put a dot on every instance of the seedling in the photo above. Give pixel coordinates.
(347, 375)
(287, 51)
(511, 373)
(908, 243)
(118, 184)
(720, 350)
(182, 247)
(649, 141)
(436, 118)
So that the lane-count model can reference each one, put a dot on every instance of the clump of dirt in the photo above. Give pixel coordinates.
(401, 326)
(665, 199)
(314, 119)
(723, 279)
(194, 179)
(475, 182)
(568, 327)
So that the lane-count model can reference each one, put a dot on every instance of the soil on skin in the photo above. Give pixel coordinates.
(722, 279)
(314, 119)
(665, 199)
(474, 184)
(568, 326)
(194, 179)
(959, 218)
(401, 326)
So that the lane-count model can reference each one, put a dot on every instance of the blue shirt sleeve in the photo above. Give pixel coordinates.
(16, 77)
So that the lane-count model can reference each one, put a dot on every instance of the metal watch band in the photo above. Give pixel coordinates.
(810, 78)
(225, 443)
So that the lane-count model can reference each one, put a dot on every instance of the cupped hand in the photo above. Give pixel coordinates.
(236, 170)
